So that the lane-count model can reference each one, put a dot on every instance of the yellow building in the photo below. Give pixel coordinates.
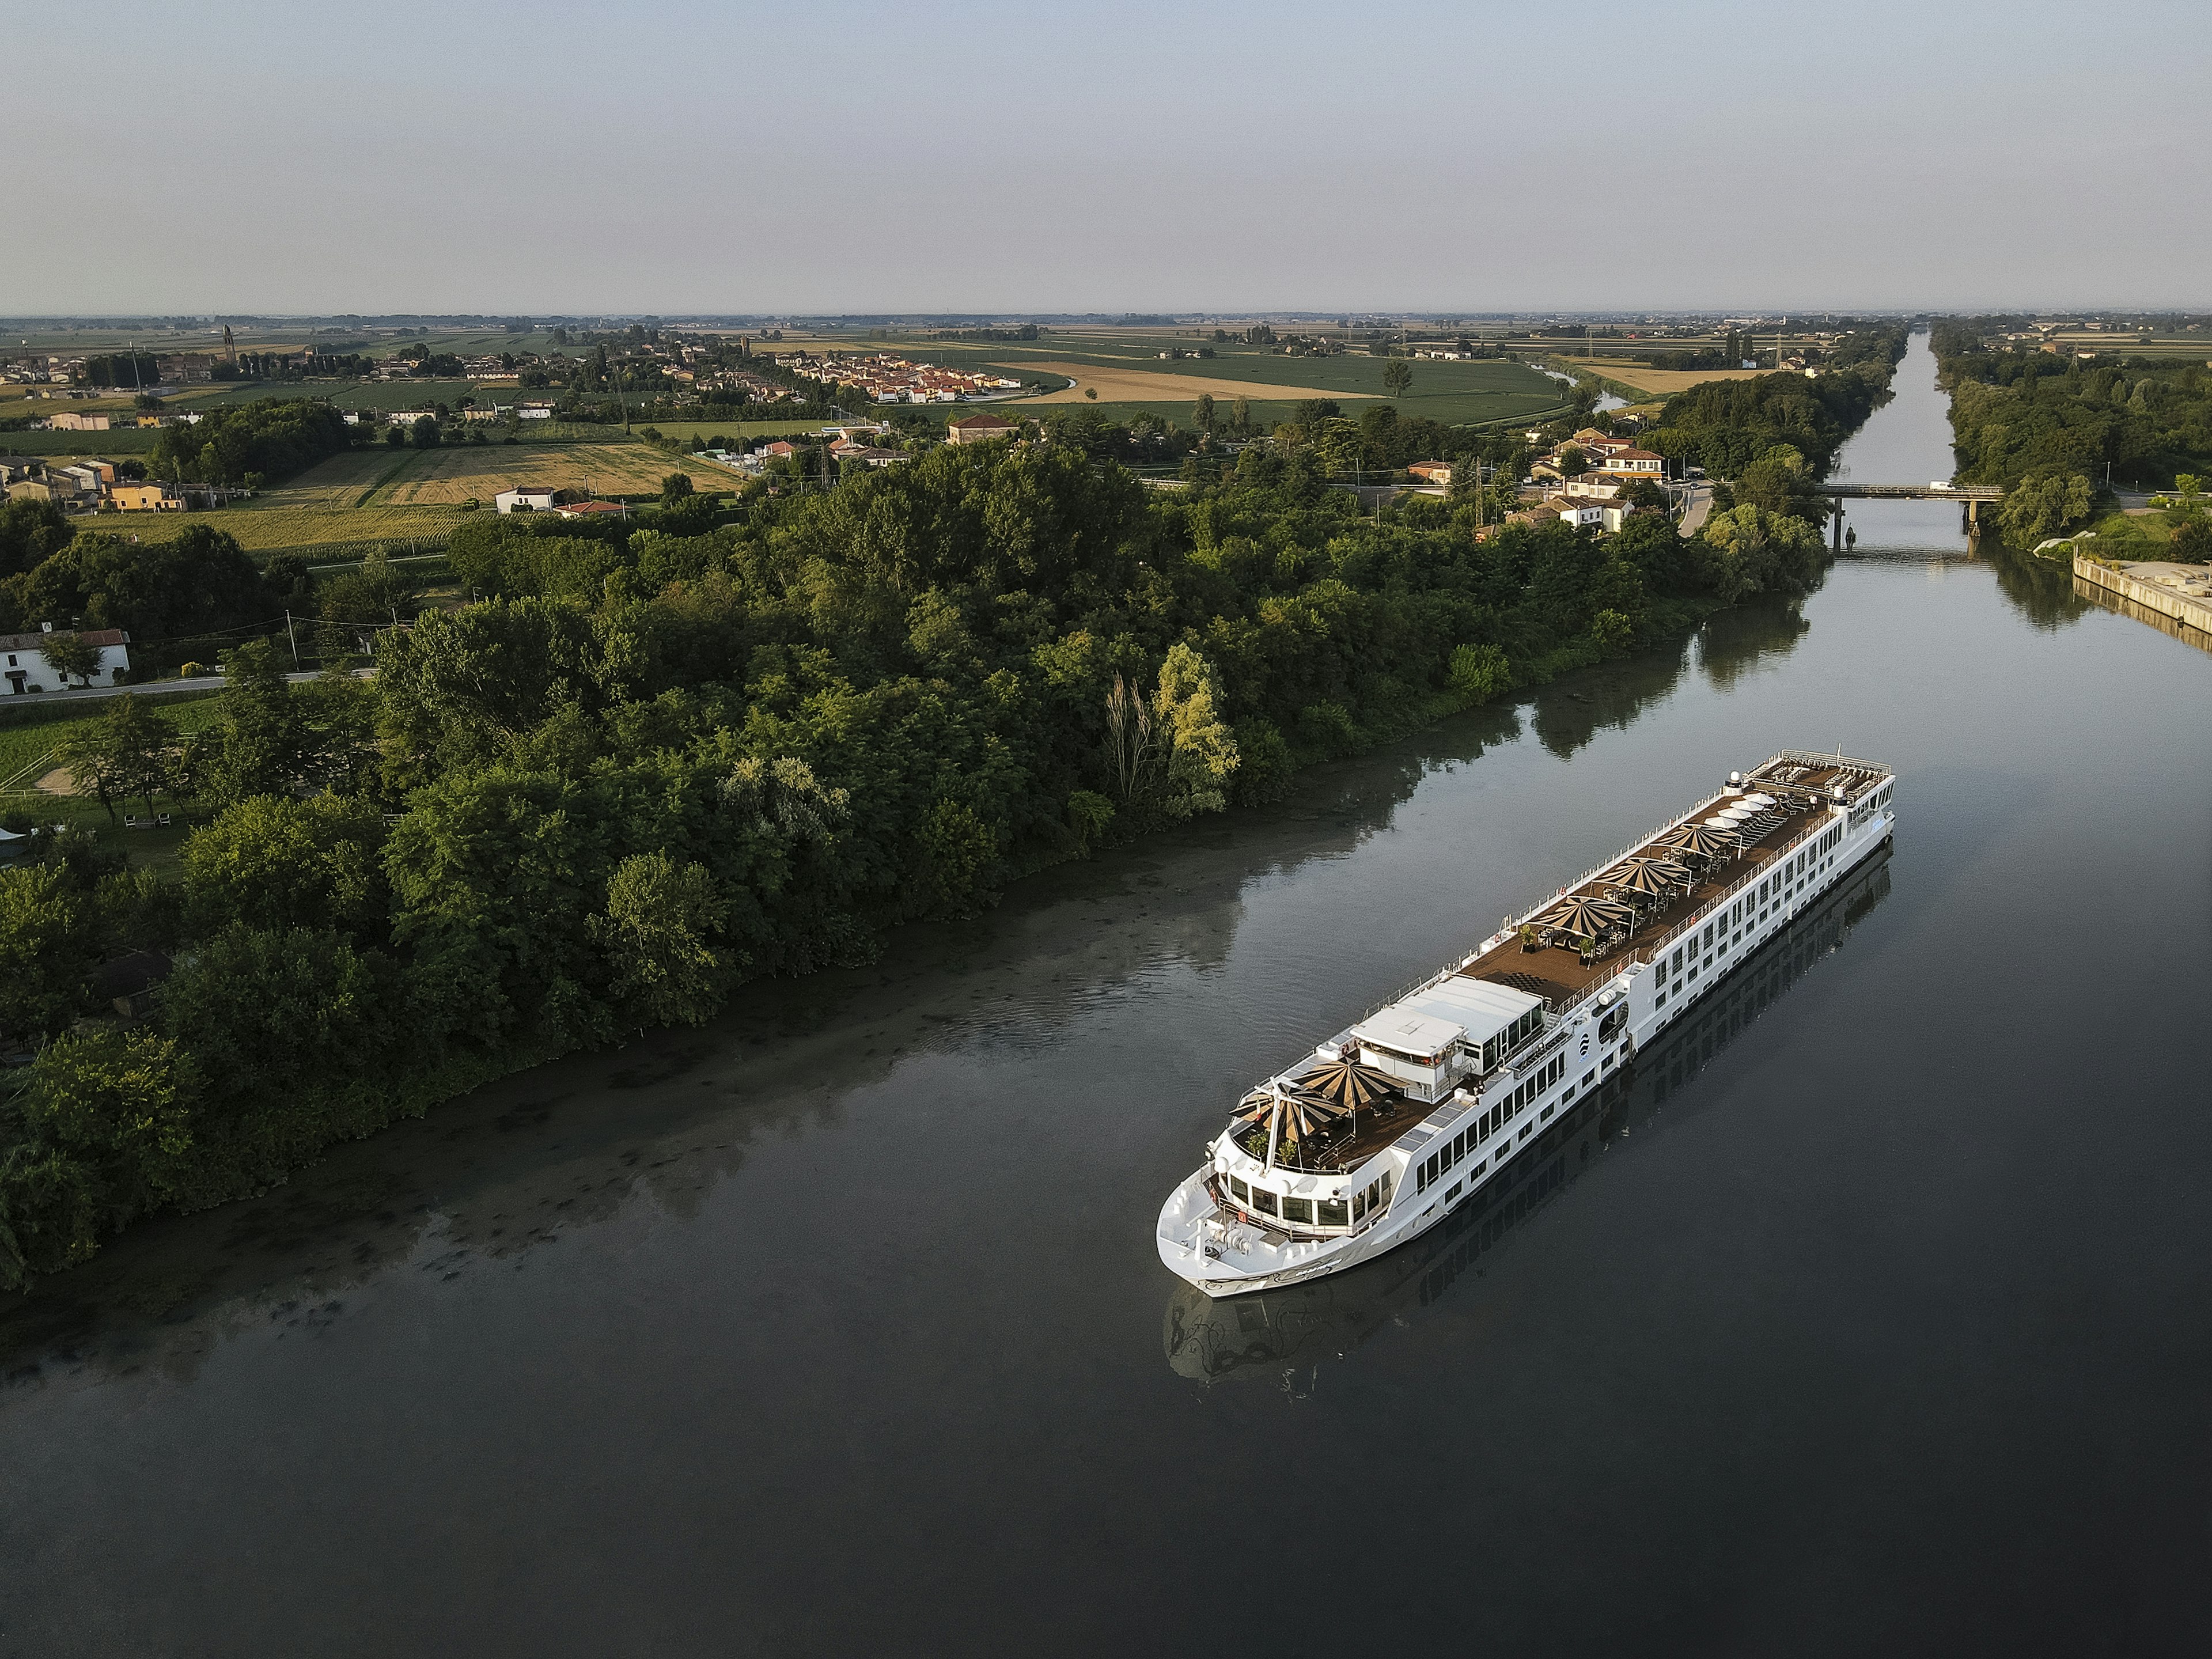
(146, 498)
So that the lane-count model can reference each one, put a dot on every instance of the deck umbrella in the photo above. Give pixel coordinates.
(1667, 869)
(1697, 840)
(1643, 878)
(1345, 1085)
(1284, 1108)
(1583, 915)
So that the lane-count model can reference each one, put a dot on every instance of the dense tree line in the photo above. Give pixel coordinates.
(271, 439)
(174, 598)
(1725, 426)
(2032, 415)
(125, 369)
(657, 761)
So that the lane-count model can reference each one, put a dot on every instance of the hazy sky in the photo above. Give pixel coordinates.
(980, 157)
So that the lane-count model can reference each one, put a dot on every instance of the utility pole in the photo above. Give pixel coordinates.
(290, 635)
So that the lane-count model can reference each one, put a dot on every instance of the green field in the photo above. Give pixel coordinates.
(26, 744)
(2133, 535)
(264, 529)
(123, 440)
(1452, 393)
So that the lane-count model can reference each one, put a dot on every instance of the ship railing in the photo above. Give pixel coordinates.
(1644, 950)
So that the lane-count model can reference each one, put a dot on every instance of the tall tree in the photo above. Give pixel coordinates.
(72, 656)
(260, 744)
(660, 915)
(46, 950)
(130, 750)
(1397, 375)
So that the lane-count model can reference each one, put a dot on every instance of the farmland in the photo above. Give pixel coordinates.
(378, 494)
(1657, 382)
(264, 529)
(450, 477)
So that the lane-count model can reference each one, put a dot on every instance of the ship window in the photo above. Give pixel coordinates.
(1709, 936)
(1263, 1200)
(1236, 1186)
(1298, 1209)
(1459, 1146)
(1333, 1214)
(1359, 1206)
(1676, 965)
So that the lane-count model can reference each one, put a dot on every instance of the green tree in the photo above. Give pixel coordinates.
(130, 750)
(655, 933)
(1089, 816)
(1397, 375)
(675, 488)
(198, 583)
(272, 862)
(1240, 416)
(1203, 415)
(1614, 632)
(1201, 747)
(424, 432)
(2044, 504)
(46, 950)
(1754, 551)
(1573, 462)
(1480, 673)
(117, 1100)
(1779, 482)
(260, 744)
(30, 533)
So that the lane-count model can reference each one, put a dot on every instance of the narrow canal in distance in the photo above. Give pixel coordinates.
(1873, 1317)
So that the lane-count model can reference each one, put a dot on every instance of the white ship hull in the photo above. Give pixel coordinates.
(1443, 1155)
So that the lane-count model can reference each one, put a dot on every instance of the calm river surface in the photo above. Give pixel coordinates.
(1874, 1317)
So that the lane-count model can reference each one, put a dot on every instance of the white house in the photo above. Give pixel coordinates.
(522, 500)
(23, 657)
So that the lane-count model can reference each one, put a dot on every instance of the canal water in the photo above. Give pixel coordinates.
(1871, 1316)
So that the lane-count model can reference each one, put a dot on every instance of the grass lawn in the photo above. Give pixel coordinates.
(23, 746)
(2146, 535)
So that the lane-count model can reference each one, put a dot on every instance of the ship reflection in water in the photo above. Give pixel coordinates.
(1275, 1333)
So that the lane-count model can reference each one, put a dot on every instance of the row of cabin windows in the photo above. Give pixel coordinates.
(1740, 914)
(1313, 1211)
(1448, 1156)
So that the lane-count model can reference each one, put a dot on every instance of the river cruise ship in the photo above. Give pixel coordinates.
(1379, 1132)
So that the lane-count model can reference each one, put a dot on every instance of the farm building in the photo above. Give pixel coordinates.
(147, 498)
(979, 428)
(23, 657)
(524, 499)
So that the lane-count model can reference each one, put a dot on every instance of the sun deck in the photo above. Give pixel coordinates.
(1561, 965)
(1552, 962)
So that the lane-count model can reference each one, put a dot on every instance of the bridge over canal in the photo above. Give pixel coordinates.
(1970, 496)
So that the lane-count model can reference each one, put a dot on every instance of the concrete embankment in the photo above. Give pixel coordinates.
(2157, 592)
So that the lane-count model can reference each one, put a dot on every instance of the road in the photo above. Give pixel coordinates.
(156, 689)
